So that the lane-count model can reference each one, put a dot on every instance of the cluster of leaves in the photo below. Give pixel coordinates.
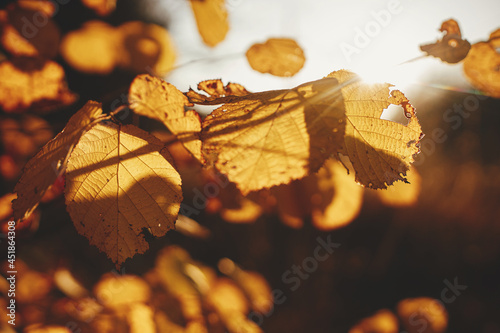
(121, 181)
(178, 294)
(481, 61)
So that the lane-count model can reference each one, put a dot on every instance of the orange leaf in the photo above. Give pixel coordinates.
(277, 56)
(33, 84)
(452, 48)
(426, 310)
(482, 65)
(383, 321)
(211, 19)
(101, 7)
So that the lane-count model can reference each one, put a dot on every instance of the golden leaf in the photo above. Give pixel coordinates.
(43, 169)
(92, 49)
(116, 291)
(379, 150)
(33, 84)
(264, 139)
(426, 310)
(120, 185)
(383, 321)
(101, 7)
(215, 90)
(482, 65)
(145, 48)
(337, 200)
(277, 56)
(452, 48)
(154, 98)
(211, 20)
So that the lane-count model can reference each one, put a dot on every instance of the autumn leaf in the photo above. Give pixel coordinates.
(145, 48)
(380, 150)
(33, 84)
(43, 169)
(482, 65)
(452, 48)
(264, 139)
(215, 90)
(277, 56)
(402, 194)
(211, 20)
(154, 98)
(337, 200)
(21, 37)
(92, 49)
(121, 185)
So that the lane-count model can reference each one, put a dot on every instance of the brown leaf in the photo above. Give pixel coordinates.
(380, 151)
(277, 56)
(211, 19)
(101, 7)
(33, 84)
(482, 65)
(121, 186)
(264, 139)
(43, 169)
(154, 98)
(92, 49)
(22, 36)
(452, 48)
(215, 90)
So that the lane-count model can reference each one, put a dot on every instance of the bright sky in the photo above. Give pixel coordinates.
(368, 37)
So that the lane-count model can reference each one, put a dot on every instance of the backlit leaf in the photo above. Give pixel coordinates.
(380, 151)
(211, 19)
(482, 65)
(154, 98)
(402, 194)
(121, 186)
(452, 48)
(43, 169)
(277, 56)
(33, 84)
(264, 139)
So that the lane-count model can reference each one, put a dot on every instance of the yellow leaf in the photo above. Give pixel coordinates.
(211, 19)
(264, 139)
(120, 185)
(452, 48)
(154, 98)
(28, 83)
(277, 56)
(338, 198)
(482, 65)
(379, 150)
(43, 169)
